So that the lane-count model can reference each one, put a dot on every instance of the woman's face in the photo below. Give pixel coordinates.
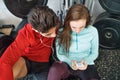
(78, 25)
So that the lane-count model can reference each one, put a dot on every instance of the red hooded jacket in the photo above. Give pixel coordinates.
(27, 43)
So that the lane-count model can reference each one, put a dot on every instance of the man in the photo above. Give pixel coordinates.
(32, 46)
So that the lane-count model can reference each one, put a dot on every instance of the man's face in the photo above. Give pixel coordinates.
(50, 33)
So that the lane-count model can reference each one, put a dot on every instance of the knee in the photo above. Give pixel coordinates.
(58, 67)
(55, 67)
(19, 69)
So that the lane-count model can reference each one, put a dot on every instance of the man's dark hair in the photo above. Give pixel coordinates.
(42, 18)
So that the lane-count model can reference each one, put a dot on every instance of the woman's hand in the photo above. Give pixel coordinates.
(83, 65)
(74, 65)
(79, 66)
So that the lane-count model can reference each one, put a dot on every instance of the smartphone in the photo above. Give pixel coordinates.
(80, 65)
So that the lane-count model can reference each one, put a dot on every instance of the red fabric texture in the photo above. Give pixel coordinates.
(28, 44)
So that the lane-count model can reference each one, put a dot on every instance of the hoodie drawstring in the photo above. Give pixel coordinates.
(76, 42)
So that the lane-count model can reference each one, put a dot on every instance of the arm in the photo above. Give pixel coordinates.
(11, 55)
(94, 48)
(61, 55)
(16, 49)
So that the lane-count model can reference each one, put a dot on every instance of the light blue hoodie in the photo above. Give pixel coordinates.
(84, 46)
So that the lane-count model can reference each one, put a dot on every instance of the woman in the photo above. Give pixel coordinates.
(33, 42)
(76, 47)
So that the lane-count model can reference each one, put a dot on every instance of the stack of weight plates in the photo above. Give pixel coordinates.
(108, 25)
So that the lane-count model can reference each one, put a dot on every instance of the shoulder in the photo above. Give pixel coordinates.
(26, 31)
(27, 28)
(60, 29)
(92, 29)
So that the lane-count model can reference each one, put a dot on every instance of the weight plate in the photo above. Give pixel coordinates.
(109, 30)
(21, 8)
(111, 6)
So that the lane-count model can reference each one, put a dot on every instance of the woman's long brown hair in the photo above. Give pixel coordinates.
(76, 12)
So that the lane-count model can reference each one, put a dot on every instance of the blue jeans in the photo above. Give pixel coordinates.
(37, 76)
(36, 70)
